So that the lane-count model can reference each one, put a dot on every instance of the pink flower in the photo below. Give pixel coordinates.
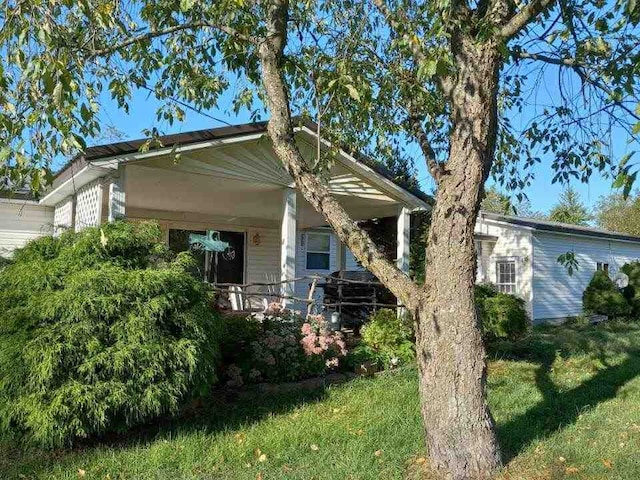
(332, 362)
(307, 329)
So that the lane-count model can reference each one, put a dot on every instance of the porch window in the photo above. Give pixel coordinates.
(506, 276)
(318, 251)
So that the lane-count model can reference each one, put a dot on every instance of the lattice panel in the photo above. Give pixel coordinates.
(88, 205)
(63, 216)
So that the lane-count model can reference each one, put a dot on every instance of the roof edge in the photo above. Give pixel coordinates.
(559, 228)
(98, 152)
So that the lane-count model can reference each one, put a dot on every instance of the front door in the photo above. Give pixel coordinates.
(228, 266)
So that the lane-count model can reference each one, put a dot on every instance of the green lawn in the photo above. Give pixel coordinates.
(566, 400)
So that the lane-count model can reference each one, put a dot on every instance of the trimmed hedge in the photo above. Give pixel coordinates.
(502, 316)
(99, 331)
(602, 297)
(632, 291)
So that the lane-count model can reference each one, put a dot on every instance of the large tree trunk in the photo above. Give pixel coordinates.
(451, 355)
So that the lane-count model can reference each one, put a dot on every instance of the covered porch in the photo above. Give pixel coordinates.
(235, 185)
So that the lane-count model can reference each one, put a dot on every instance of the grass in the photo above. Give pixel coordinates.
(566, 401)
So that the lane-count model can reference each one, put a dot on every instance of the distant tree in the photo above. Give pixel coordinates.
(497, 202)
(570, 209)
(619, 214)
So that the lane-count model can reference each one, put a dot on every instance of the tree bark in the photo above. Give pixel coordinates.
(451, 356)
(313, 189)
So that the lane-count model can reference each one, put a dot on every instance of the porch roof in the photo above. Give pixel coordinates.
(99, 160)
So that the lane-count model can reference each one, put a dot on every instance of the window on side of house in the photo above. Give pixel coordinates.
(602, 267)
(318, 251)
(506, 276)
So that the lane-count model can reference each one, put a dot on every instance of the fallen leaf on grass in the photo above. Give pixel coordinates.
(81, 473)
(262, 458)
(420, 460)
(607, 463)
(377, 453)
(571, 470)
(259, 476)
(314, 447)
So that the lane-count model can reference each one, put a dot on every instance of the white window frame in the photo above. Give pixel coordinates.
(306, 251)
(513, 286)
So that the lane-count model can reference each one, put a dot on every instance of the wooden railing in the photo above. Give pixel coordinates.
(274, 292)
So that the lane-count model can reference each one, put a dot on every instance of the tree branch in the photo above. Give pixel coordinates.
(416, 48)
(526, 14)
(579, 68)
(312, 188)
(436, 169)
(167, 31)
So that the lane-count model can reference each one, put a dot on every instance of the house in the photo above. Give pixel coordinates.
(520, 256)
(229, 180)
(225, 179)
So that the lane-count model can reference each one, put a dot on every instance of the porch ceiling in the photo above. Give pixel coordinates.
(241, 181)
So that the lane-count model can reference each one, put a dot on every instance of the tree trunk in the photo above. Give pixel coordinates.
(314, 190)
(451, 356)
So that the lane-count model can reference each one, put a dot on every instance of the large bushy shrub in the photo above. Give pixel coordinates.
(387, 339)
(502, 316)
(632, 291)
(99, 330)
(279, 345)
(603, 297)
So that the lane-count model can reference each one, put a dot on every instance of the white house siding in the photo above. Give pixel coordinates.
(351, 262)
(512, 243)
(21, 222)
(558, 295)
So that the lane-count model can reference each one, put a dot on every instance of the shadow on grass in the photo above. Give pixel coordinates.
(559, 409)
(222, 411)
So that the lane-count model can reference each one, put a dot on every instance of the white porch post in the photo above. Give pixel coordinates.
(403, 245)
(117, 196)
(288, 246)
(402, 250)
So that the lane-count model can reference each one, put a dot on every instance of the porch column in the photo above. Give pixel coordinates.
(288, 245)
(403, 246)
(117, 196)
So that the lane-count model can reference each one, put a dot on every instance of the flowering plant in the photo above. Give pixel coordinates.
(288, 347)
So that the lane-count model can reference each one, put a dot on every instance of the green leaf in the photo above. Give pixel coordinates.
(5, 153)
(186, 5)
(57, 94)
(353, 93)
(85, 113)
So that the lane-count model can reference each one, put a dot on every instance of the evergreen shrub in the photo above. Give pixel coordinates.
(99, 331)
(603, 297)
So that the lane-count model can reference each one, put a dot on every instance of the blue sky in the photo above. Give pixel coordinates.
(542, 193)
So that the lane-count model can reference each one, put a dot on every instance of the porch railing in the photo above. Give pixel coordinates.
(273, 292)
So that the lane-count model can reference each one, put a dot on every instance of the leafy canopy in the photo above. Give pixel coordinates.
(372, 73)
(619, 214)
